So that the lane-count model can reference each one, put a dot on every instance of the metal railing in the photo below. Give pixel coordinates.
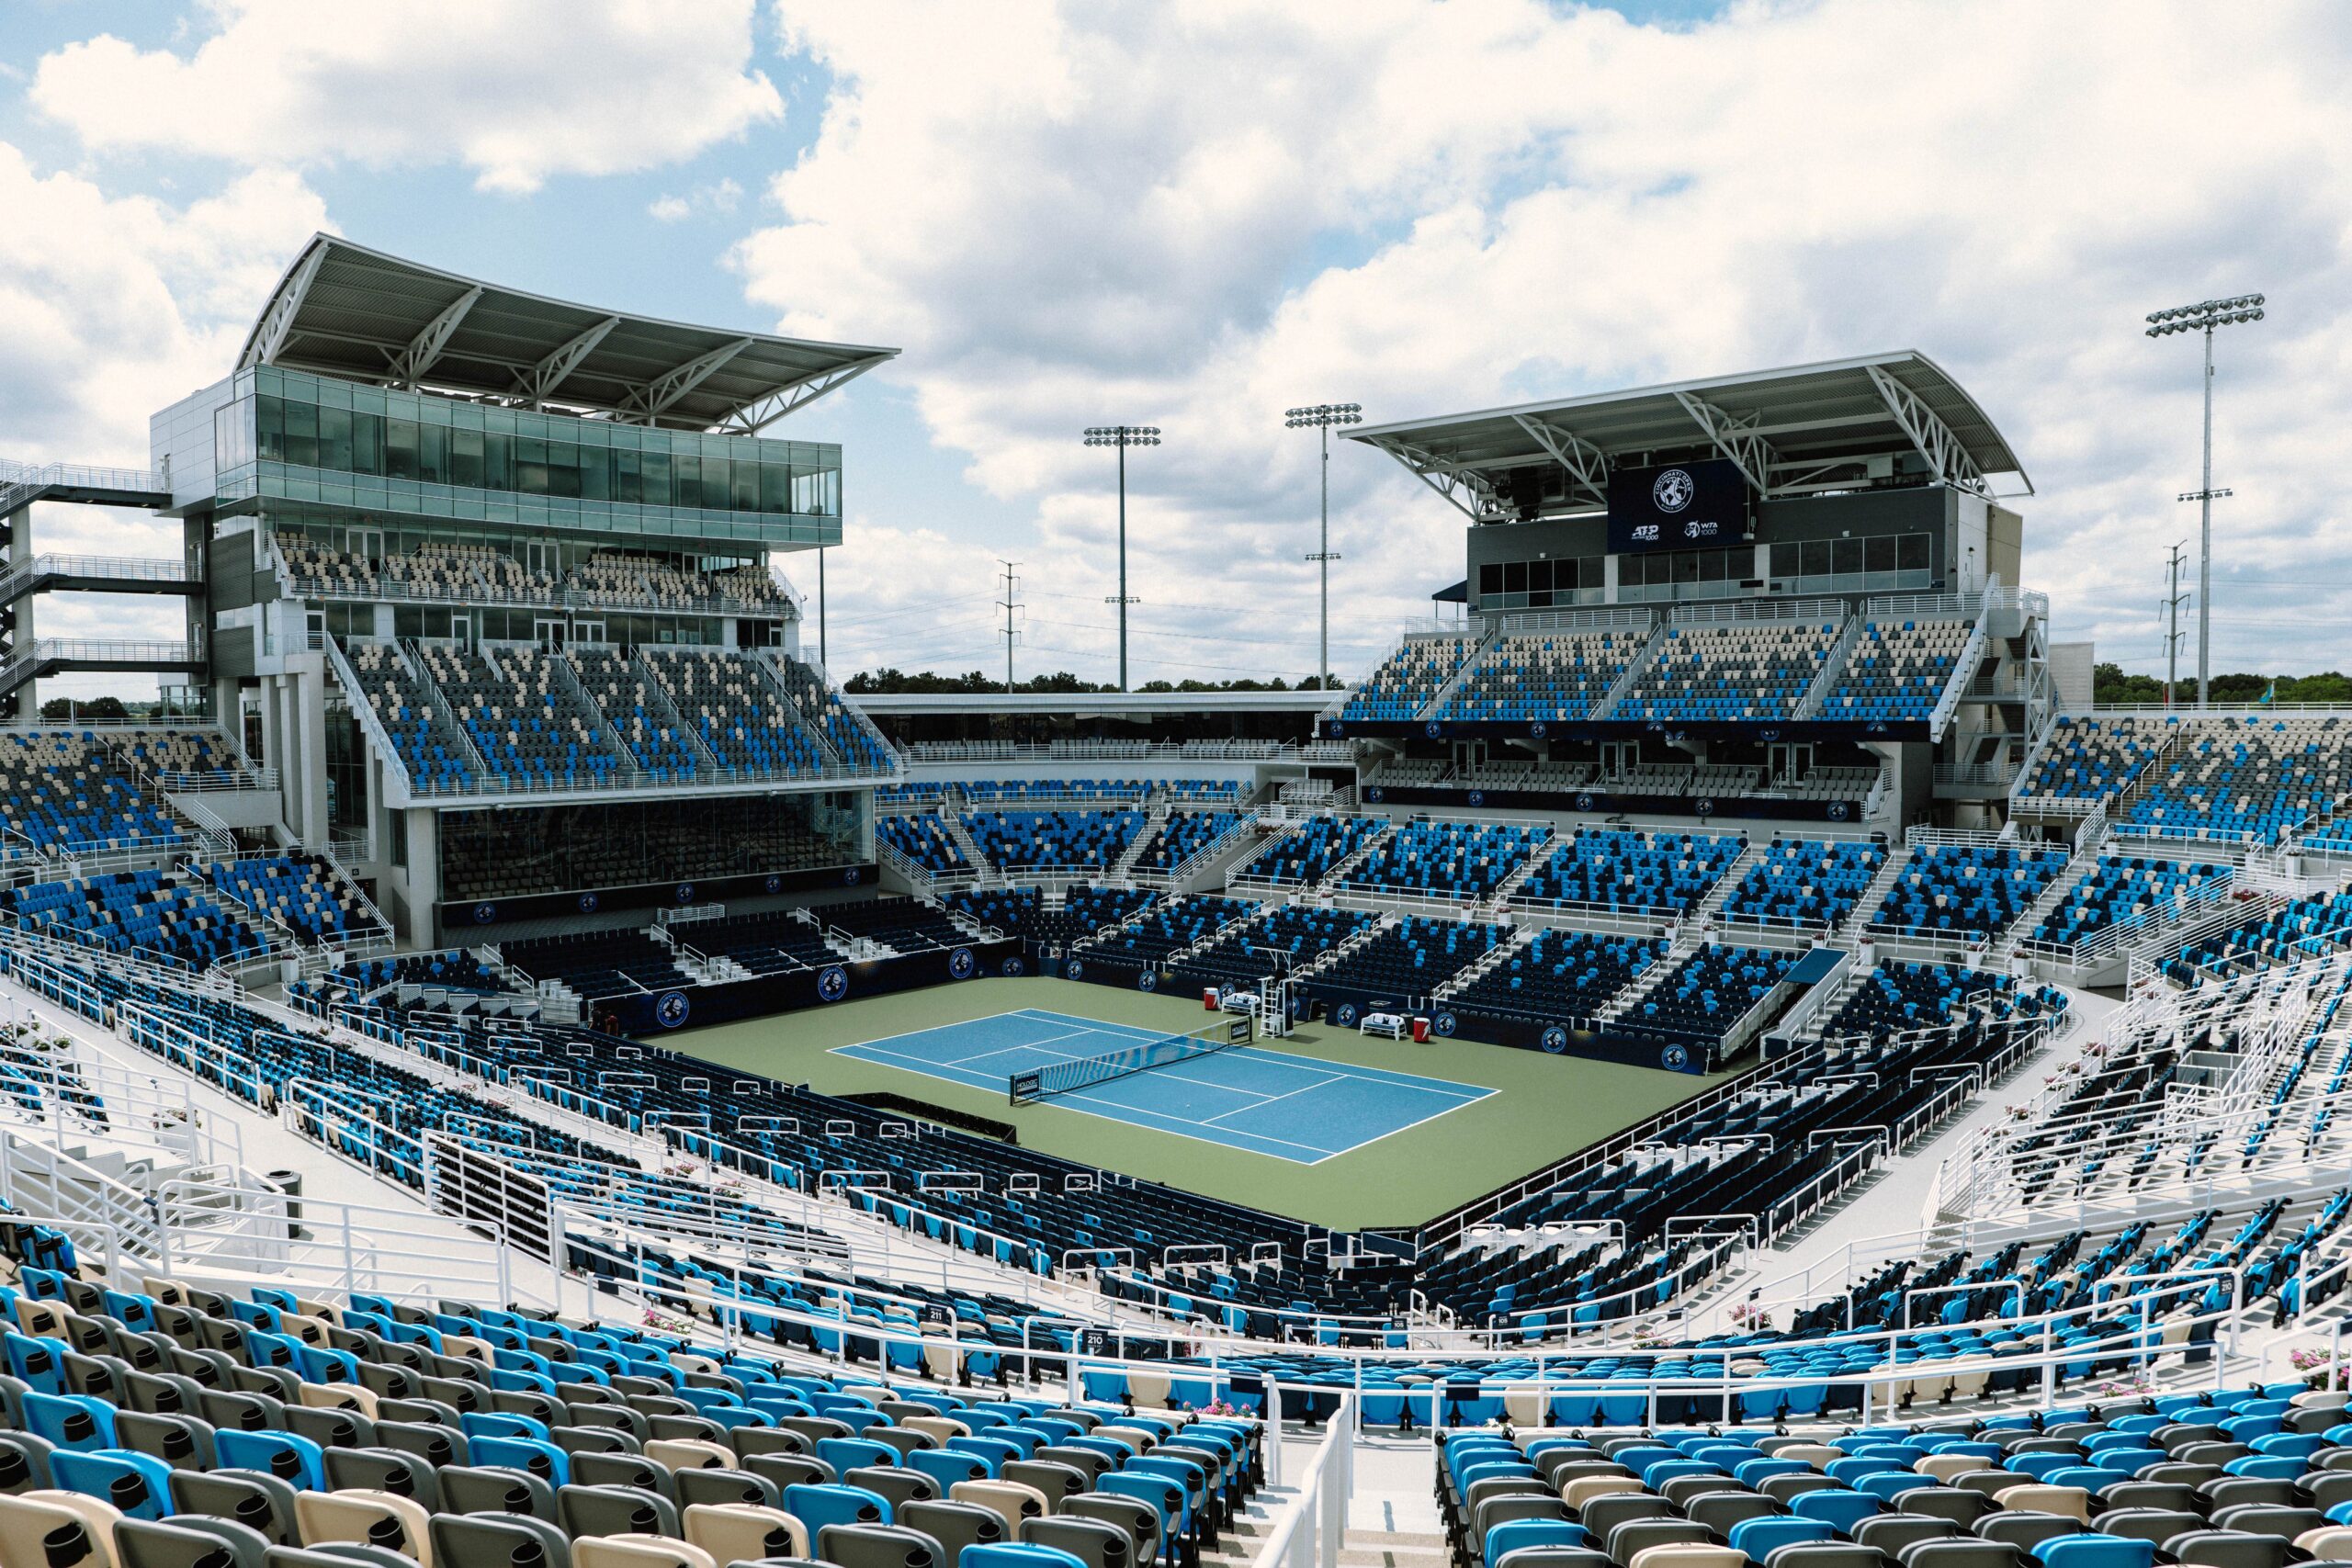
(23, 483)
(1314, 1526)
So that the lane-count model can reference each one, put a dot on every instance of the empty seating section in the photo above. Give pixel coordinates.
(904, 925)
(923, 839)
(1536, 778)
(163, 753)
(1622, 871)
(1896, 996)
(1828, 783)
(2091, 758)
(1282, 941)
(732, 709)
(1543, 675)
(605, 579)
(453, 967)
(1309, 854)
(1966, 889)
(1162, 929)
(773, 942)
(434, 757)
(1713, 989)
(1183, 835)
(853, 739)
(1412, 957)
(2128, 889)
(1208, 792)
(150, 913)
(1559, 974)
(2305, 927)
(1806, 882)
(1026, 913)
(595, 965)
(1897, 670)
(2236, 779)
(1406, 681)
(1462, 859)
(437, 571)
(1748, 669)
(301, 892)
(66, 792)
(521, 712)
(1017, 841)
(638, 712)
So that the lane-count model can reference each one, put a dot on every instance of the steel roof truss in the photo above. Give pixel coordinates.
(1587, 465)
(279, 324)
(412, 362)
(647, 403)
(1946, 457)
(549, 373)
(1736, 439)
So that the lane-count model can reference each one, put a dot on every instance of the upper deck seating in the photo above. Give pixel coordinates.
(731, 708)
(1629, 871)
(1467, 859)
(1407, 679)
(433, 755)
(638, 712)
(1737, 670)
(1543, 675)
(523, 717)
(1028, 841)
(1966, 889)
(2091, 758)
(1897, 670)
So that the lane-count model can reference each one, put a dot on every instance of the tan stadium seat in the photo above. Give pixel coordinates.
(638, 1551)
(1009, 1500)
(372, 1518)
(744, 1533)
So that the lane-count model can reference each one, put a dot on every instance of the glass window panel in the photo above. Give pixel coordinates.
(655, 467)
(400, 448)
(595, 473)
(685, 479)
(1815, 559)
(465, 457)
(1845, 556)
(531, 465)
(1878, 555)
(1515, 577)
(1490, 579)
(302, 433)
(625, 477)
(497, 460)
(775, 487)
(1539, 577)
(743, 487)
(269, 422)
(334, 439)
(433, 453)
(1911, 553)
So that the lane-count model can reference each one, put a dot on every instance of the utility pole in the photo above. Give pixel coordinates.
(1008, 605)
(1322, 417)
(2204, 317)
(2172, 637)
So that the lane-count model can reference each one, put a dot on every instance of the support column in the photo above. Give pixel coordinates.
(422, 876)
(306, 694)
(20, 549)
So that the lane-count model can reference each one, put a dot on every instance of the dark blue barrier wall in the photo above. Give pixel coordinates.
(694, 1005)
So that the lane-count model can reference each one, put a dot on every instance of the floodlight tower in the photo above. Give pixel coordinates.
(1321, 418)
(2204, 317)
(1122, 436)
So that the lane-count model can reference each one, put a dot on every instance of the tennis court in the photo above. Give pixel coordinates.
(1268, 1102)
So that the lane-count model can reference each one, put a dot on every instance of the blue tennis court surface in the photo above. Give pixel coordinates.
(1294, 1108)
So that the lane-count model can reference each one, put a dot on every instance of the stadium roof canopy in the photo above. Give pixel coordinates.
(344, 310)
(1842, 424)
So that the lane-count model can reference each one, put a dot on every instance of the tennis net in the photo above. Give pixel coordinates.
(1063, 1078)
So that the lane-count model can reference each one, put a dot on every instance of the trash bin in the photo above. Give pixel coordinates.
(1420, 1032)
(290, 1183)
(1209, 997)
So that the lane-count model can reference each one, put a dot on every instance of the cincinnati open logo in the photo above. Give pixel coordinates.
(1556, 1040)
(1147, 981)
(960, 965)
(1346, 1017)
(672, 1009)
(1672, 490)
(485, 913)
(587, 903)
(1674, 1058)
(833, 984)
(1443, 1024)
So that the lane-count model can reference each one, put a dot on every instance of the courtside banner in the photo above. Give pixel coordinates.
(1681, 506)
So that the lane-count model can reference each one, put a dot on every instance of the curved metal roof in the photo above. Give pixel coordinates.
(344, 310)
(1801, 428)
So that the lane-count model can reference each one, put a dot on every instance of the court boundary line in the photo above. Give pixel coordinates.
(1336, 1072)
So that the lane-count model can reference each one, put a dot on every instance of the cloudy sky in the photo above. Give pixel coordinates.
(1195, 215)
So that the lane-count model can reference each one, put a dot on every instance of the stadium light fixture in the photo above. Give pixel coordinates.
(2203, 318)
(1122, 436)
(1320, 418)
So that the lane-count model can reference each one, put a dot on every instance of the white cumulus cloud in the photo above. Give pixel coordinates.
(1197, 216)
(520, 91)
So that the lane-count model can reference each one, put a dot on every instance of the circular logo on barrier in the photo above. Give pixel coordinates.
(672, 1009)
(1344, 1015)
(1477, 797)
(853, 876)
(960, 965)
(1838, 810)
(1074, 969)
(1013, 966)
(1443, 1024)
(774, 883)
(1672, 490)
(1584, 803)
(1146, 980)
(485, 913)
(1539, 729)
(1769, 734)
(1706, 805)
(833, 984)
(1674, 1058)
(1556, 1040)
(587, 903)
(1334, 728)
(1432, 729)
(686, 892)
(1374, 794)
